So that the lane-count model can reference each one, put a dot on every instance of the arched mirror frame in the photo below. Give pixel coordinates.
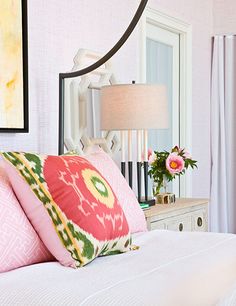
(97, 64)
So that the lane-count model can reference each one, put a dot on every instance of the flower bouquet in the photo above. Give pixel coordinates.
(166, 166)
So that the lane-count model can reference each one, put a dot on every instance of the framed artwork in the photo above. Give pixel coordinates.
(13, 67)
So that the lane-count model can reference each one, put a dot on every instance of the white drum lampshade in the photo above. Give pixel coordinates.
(134, 107)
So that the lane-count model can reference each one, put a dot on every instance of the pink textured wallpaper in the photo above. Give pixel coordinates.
(224, 16)
(86, 24)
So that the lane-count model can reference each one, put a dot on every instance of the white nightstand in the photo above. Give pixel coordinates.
(183, 215)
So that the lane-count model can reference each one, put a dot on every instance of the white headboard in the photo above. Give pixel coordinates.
(79, 99)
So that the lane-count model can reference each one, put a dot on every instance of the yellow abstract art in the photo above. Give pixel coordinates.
(12, 104)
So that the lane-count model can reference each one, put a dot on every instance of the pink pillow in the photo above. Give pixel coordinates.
(19, 243)
(107, 167)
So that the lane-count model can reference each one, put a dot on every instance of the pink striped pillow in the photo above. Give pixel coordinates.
(19, 243)
(127, 199)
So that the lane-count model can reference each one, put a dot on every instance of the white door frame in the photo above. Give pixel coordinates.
(185, 32)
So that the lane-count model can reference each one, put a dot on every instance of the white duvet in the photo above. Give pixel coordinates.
(169, 269)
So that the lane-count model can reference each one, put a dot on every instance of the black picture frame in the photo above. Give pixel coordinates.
(25, 128)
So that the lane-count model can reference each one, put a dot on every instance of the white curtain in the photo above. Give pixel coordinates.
(223, 135)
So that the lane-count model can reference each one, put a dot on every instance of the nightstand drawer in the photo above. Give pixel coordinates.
(199, 220)
(180, 223)
(158, 225)
(183, 215)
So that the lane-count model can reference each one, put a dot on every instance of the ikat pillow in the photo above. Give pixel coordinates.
(126, 197)
(70, 204)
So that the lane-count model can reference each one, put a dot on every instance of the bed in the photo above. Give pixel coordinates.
(169, 269)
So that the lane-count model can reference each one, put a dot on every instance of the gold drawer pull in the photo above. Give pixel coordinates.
(199, 221)
(181, 227)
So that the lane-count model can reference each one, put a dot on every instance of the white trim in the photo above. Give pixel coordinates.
(142, 48)
(186, 103)
(185, 31)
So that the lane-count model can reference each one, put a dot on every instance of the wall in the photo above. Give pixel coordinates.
(58, 28)
(224, 16)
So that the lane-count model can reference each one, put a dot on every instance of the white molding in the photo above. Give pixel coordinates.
(186, 102)
(166, 21)
(142, 48)
(184, 29)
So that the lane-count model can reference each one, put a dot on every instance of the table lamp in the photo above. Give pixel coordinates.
(139, 107)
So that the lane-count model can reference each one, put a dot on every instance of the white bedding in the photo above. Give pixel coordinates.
(170, 269)
(230, 298)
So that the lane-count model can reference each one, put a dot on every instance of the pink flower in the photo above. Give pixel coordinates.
(150, 153)
(187, 154)
(174, 163)
(152, 158)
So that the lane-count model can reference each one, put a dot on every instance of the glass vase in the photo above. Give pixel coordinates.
(160, 193)
(158, 187)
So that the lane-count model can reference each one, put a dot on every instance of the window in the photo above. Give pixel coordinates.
(166, 59)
